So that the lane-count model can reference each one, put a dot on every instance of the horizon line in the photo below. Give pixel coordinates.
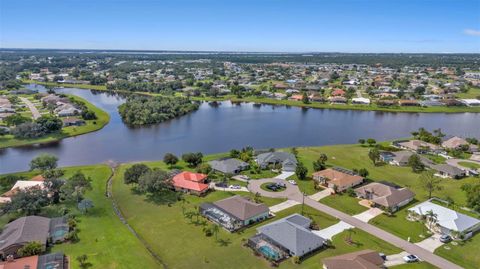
(232, 51)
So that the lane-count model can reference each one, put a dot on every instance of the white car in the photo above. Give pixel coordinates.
(291, 181)
(235, 187)
(410, 258)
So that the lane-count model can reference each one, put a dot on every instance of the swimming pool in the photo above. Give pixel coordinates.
(269, 252)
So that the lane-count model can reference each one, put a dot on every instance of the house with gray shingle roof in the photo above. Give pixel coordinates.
(228, 165)
(287, 160)
(448, 171)
(28, 229)
(290, 236)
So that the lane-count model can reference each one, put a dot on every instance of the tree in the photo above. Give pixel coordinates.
(301, 171)
(28, 130)
(193, 158)
(30, 249)
(363, 172)
(473, 195)
(319, 164)
(82, 260)
(305, 98)
(204, 168)
(294, 151)
(8, 181)
(75, 187)
(416, 163)
(50, 124)
(374, 155)
(27, 202)
(170, 159)
(371, 142)
(44, 162)
(215, 229)
(16, 119)
(361, 141)
(432, 219)
(430, 183)
(133, 173)
(54, 184)
(153, 181)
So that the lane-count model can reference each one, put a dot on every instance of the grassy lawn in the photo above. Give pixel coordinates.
(398, 225)
(106, 241)
(164, 225)
(344, 203)
(470, 165)
(471, 94)
(264, 187)
(464, 254)
(263, 174)
(417, 265)
(356, 156)
(91, 125)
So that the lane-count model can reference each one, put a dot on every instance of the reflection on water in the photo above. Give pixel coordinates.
(221, 126)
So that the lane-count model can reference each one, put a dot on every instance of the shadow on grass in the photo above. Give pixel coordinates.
(224, 242)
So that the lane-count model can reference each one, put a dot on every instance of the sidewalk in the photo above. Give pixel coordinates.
(321, 194)
(282, 206)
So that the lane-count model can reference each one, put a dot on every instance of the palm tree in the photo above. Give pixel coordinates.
(215, 230)
(432, 219)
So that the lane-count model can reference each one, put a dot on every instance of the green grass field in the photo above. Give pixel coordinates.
(470, 165)
(344, 203)
(162, 224)
(103, 238)
(464, 254)
(91, 126)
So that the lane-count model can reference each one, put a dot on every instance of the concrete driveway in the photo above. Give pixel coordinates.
(369, 214)
(33, 109)
(212, 186)
(282, 206)
(431, 243)
(395, 259)
(333, 230)
(321, 194)
(284, 175)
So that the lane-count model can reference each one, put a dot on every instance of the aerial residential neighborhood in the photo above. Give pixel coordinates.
(239, 134)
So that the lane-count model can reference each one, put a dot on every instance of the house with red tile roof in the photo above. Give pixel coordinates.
(189, 182)
(338, 92)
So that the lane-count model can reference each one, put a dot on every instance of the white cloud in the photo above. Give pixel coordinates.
(471, 32)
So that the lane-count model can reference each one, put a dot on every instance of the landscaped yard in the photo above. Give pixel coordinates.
(164, 225)
(344, 203)
(398, 225)
(103, 238)
(465, 254)
(470, 165)
(91, 125)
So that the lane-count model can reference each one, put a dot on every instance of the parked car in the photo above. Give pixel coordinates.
(445, 238)
(384, 257)
(221, 184)
(410, 258)
(291, 181)
(235, 187)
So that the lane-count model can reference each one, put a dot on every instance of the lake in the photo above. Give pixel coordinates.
(223, 126)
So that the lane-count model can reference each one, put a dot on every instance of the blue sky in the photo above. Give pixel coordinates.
(246, 25)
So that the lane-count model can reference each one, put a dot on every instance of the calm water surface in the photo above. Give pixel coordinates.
(219, 128)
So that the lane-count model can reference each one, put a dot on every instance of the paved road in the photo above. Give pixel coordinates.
(33, 109)
(454, 162)
(392, 239)
(293, 193)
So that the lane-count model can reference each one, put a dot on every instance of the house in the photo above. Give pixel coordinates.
(229, 165)
(447, 220)
(73, 122)
(189, 182)
(340, 100)
(48, 261)
(361, 101)
(448, 171)
(288, 161)
(337, 92)
(290, 236)
(67, 110)
(470, 102)
(363, 259)
(20, 185)
(338, 178)
(28, 229)
(234, 212)
(419, 146)
(456, 142)
(296, 97)
(385, 196)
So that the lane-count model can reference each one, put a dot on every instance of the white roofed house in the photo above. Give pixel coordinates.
(445, 220)
(470, 102)
(361, 100)
(66, 110)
